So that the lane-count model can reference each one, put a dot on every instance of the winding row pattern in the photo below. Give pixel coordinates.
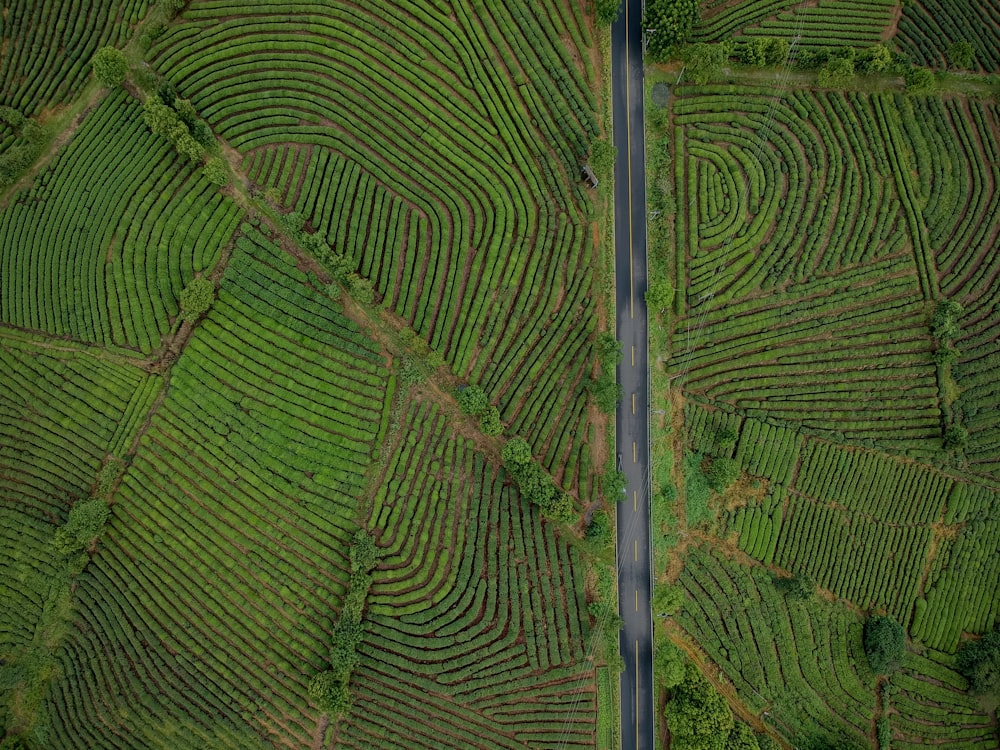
(804, 665)
(211, 598)
(100, 246)
(476, 625)
(928, 28)
(61, 412)
(454, 188)
(805, 266)
(47, 46)
(957, 162)
(822, 24)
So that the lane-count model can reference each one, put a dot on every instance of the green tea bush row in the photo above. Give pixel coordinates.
(873, 564)
(886, 488)
(801, 662)
(929, 29)
(49, 46)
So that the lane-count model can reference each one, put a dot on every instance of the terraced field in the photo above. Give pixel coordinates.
(834, 335)
(475, 234)
(929, 28)
(258, 437)
(62, 410)
(826, 24)
(484, 646)
(100, 246)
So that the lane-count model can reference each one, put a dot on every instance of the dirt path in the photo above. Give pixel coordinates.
(711, 673)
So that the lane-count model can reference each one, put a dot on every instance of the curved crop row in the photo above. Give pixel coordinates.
(211, 595)
(929, 28)
(476, 624)
(101, 245)
(803, 301)
(932, 708)
(454, 189)
(804, 665)
(826, 23)
(47, 46)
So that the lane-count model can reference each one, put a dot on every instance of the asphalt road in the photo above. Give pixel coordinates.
(632, 422)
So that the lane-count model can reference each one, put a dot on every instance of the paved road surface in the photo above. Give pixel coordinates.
(634, 556)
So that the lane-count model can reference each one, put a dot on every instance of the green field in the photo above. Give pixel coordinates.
(833, 333)
(236, 452)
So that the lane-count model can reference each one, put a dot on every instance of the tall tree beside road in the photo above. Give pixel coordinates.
(667, 24)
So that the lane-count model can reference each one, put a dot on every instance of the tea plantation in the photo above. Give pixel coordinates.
(239, 295)
(827, 446)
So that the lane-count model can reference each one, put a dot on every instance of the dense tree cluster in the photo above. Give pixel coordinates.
(979, 661)
(330, 688)
(534, 483)
(20, 155)
(885, 644)
(667, 25)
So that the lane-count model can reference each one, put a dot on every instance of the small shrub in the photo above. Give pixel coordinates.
(722, 473)
(490, 422)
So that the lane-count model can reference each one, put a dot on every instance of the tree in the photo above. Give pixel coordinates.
(490, 422)
(722, 473)
(110, 66)
(668, 663)
(920, 82)
(667, 599)
(607, 10)
(742, 737)
(86, 520)
(837, 73)
(698, 717)
(360, 288)
(516, 453)
(885, 643)
(660, 295)
(962, 54)
(472, 400)
(776, 51)
(599, 528)
(607, 392)
(944, 324)
(875, 59)
(667, 24)
(364, 552)
(197, 297)
(704, 61)
(955, 437)
(609, 350)
(560, 508)
(979, 661)
(215, 172)
(799, 587)
(330, 693)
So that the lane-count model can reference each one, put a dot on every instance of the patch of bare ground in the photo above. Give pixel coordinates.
(320, 732)
(893, 27)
